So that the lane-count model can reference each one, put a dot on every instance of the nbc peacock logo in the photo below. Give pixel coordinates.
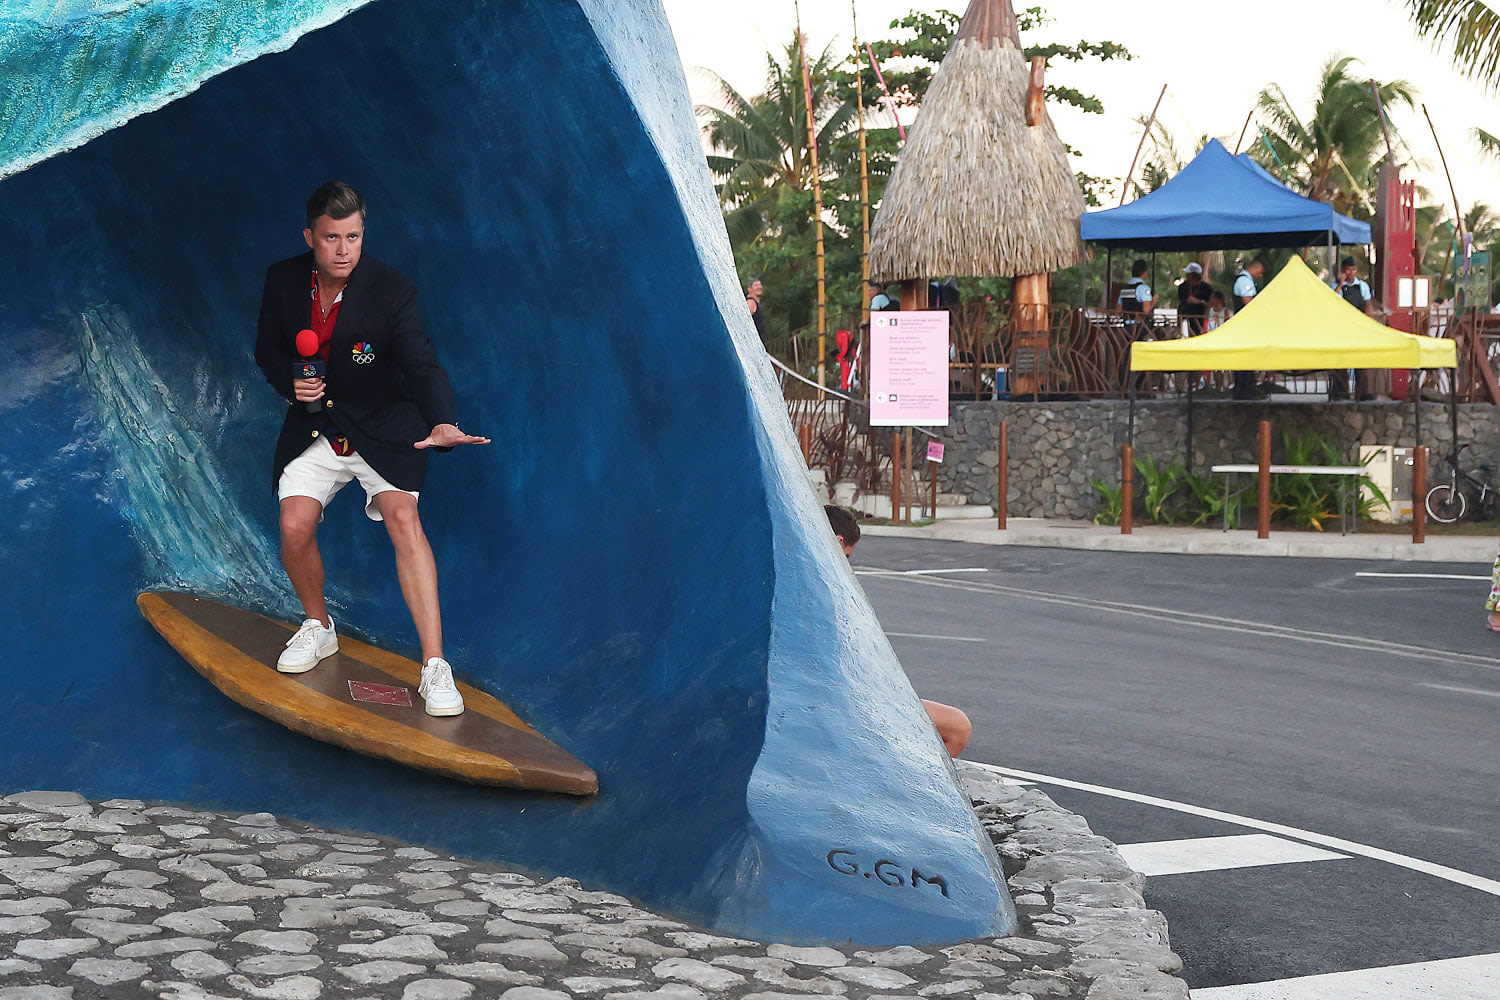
(363, 353)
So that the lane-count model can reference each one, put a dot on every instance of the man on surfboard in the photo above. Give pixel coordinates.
(381, 402)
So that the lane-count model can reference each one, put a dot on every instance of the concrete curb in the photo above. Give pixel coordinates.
(1084, 535)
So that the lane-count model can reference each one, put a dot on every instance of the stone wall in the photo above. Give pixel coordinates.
(1057, 449)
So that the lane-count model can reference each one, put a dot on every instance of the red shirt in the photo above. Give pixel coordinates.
(323, 327)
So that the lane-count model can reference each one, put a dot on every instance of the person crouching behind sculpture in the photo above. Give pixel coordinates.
(953, 725)
(375, 402)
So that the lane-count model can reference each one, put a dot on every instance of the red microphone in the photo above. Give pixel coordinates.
(311, 366)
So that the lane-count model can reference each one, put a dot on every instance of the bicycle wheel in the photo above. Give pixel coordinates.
(1446, 504)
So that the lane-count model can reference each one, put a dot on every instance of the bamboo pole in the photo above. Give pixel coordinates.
(817, 185)
(1125, 187)
(1241, 140)
(1385, 127)
(1458, 213)
(889, 100)
(864, 178)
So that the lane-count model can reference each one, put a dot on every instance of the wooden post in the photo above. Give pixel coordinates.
(1263, 511)
(909, 478)
(804, 438)
(896, 477)
(914, 294)
(1127, 489)
(1419, 495)
(1031, 329)
(932, 486)
(1002, 495)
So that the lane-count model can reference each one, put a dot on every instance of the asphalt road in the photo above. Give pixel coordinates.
(1294, 692)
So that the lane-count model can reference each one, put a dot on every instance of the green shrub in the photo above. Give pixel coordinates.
(1112, 500)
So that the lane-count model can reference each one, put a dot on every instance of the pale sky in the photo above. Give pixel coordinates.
(1214, 59)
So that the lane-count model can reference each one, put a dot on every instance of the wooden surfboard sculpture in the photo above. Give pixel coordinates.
(363, 699)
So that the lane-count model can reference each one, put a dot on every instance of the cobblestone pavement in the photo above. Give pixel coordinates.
(125, 899)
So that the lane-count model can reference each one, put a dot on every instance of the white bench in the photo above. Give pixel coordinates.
(1348, 472)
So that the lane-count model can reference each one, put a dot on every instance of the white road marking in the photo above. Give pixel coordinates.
(1423, 576)
(925, 572)
(1218, 623)
(944, 638)
(1213, 854)
(1460, 690)
(1463, 878)
(1476, 977)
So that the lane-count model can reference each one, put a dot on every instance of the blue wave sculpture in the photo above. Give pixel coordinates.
(636, 565)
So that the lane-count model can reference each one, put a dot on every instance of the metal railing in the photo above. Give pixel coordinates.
(834, 431)
(1000, 351)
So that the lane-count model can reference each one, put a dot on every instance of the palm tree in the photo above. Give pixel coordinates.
(1482, 221)
(1489, 143)
(760, 142)
(1470, 27)
(1333, 154)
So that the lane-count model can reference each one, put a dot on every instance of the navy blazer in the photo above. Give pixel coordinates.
(384, 389)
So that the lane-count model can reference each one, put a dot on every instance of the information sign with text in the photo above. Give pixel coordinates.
(909, 369)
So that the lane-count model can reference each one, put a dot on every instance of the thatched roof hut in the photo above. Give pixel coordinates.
(976, 191)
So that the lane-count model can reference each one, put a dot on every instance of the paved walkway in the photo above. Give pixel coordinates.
(122, 898)
(1203, 541)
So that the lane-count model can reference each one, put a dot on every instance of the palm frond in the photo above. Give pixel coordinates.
(1489, 143)
(1470, 29)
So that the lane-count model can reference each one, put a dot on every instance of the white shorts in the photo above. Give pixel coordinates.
(319, 473)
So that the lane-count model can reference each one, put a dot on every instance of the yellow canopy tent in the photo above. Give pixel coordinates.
(1296, 323)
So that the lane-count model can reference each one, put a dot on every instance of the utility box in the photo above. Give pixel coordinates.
(1389, 468)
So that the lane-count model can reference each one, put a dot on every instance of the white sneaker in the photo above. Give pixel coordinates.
(438, 690)
(308, 646)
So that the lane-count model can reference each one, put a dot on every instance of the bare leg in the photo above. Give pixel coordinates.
(300, 554)
(415, 568)
(953, 726)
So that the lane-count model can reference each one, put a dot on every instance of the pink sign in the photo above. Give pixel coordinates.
(909, 369)
(934, 451)
(380, 694)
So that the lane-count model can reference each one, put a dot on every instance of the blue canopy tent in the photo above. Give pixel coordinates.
(1219, 202)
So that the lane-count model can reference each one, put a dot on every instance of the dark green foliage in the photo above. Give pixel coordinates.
(1167, 493)
(764, 178)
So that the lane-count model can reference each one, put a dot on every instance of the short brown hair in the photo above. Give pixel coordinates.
(843, 524)
(336, 200)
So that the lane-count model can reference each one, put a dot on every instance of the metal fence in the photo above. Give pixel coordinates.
(1001, 351)
(837, 439)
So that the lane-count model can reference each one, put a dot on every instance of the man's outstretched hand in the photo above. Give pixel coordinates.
(447, 436)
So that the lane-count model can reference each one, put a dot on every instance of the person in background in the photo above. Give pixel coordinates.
(1245, 288)
(1492, 621)
(1135, 295)
(1218, 312)
(879, 300)
(953, 725)
(1193, 294)
(1353, 290)
(1136, 302)
(753, 293)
